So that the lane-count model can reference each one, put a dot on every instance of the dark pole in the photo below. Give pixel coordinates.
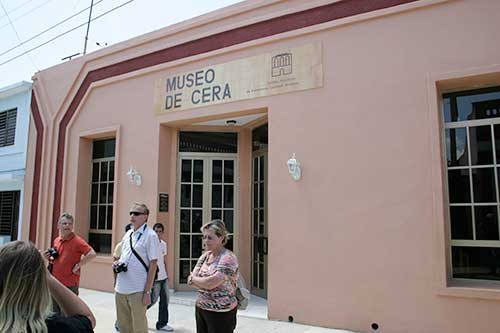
(88, 28)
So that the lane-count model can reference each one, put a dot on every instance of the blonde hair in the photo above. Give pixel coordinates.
(218, 227)
(143, 206)
(24, 295)
(66, 216)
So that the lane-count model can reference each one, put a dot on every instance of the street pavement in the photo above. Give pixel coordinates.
(181, 310)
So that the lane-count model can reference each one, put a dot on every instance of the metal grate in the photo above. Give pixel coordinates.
(8, 127)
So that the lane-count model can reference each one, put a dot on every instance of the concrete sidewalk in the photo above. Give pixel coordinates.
(181, 310)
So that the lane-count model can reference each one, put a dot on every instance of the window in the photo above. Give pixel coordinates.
(472, 135)
(7, 127)
(9, 215)
(101, 195)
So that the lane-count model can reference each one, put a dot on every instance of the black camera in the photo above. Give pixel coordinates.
(53, 252)
(120, 267)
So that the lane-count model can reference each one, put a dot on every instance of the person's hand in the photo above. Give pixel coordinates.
(190, 279)
(45, 254)
(76, 269)
(146, 299)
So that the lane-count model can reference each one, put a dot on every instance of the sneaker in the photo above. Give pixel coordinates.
(116, 327)
(166, 328)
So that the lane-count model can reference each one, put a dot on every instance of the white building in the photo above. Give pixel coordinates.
(14, 123)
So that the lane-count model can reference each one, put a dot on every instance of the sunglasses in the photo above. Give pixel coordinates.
(136, 213)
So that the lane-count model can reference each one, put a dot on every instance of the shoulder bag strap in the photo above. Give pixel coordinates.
(137, 255)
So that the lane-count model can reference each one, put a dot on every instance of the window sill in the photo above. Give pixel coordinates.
(479, 289)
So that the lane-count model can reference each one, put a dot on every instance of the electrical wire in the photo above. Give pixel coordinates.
(28, 12)
(64, 33)
(18, 38)
(48, 29)
(18, 7)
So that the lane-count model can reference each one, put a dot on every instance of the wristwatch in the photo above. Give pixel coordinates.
(147, 292)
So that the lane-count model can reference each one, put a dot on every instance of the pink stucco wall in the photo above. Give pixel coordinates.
(361, 238)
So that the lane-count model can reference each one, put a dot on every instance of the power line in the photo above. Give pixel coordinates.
(64, 33)
(18, 38)
(18, 7)
(46, 30)
(28, 12)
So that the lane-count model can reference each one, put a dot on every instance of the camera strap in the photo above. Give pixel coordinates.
(138, 256)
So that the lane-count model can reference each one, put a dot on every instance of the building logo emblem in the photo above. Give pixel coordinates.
(281, 64)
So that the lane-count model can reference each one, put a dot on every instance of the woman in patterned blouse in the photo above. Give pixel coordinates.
(215, 276)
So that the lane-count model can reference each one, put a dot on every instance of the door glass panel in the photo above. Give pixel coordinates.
(109, 219)
(184, 246)
(229, 244)
(104, 171)
(185, 195)
(261, 195)
(111, 171)
(228, 196)
(198, 171)
(197, 195)
(461, 222)
(196, 246)
(185, 220)
(217, 196)
(197, 220)
(228, 171)
(459, 186)
(255, 169)
(217, 171)
(184, 269)
(216, 214)
(261, 168)
(186, 171)
(228, 220)
(255, 221)
(95, 171)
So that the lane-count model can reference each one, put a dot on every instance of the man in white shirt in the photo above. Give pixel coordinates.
(134, 282)
(160, 287)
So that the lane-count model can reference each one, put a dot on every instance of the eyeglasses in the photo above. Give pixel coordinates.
(136, 213)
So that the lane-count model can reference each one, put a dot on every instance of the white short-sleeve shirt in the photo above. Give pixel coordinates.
(145, 243)
(162, 251)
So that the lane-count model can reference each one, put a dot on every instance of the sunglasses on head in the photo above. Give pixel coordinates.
(136, 213)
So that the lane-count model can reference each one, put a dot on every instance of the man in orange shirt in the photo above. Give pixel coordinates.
(72, 253)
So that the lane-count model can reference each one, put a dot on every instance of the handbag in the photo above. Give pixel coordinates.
(142, 261)
(242, 293)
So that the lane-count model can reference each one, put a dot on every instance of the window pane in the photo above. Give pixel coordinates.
(261, 195)
(95, 171)
(261, 168)
(185, 220)
(198, 171)
(456, 147)
(476, 262)
(486, 222)
(197, 195)
(109, 220)
(93, 217)
(95, 193)
(101, 243)
(184, 246)
(216, 196)
(481, 145)
(102, 217)
(228, 171)
(461, 222)
(103, 192)
(186, 171)
(228, 196)
(259, 137)
(104, 171)
(111, 188)
(217, 171)
(111, 171)
(229, 244)
(103, 148)
(446, 110)
(483, 181)
(256, 195)
(255, 221)
(255, 169)
(185, 195)
(197, 220)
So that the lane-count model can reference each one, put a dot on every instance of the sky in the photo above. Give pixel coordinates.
(21, 20)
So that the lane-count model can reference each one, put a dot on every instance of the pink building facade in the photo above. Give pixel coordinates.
(389, 107)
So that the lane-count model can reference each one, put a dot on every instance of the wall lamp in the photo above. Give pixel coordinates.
(294, 168)
(134, 176)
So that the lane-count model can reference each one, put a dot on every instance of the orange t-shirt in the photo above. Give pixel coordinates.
(70, 253)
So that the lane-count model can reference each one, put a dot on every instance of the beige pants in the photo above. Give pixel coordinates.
(131, 313)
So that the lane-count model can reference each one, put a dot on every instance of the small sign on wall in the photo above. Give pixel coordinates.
(163, 202)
